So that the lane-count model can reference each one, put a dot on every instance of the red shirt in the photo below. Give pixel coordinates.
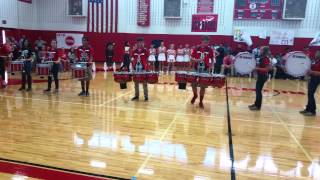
(143, 57)
(84, 53)
(228, 60)
(54, 54)
(5, 49)
(208, 54)
(264, 62)
(316, 66)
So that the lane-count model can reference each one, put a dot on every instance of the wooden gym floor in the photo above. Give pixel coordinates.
(166, 138)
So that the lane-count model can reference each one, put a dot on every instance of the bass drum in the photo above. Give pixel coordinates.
(296, 64)
(245, 63)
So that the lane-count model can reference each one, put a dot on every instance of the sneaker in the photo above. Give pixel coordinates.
(201, 105)
(56, 91)
(194, 99)
(29, 89)
(82, 93)
(136, 98)
(254, 108)
(146, 99)
(87, 94)
(22, 89)
(310, 114)
(303, 111)
(47, 90)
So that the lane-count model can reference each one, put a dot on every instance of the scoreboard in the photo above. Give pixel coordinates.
(258, 9)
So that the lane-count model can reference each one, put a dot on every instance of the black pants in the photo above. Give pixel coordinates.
(259, 86)
(26, 78)
(126, 62)
(312, 88)
(217, 68)
(2, 69)
(109, 61)
(55, 73)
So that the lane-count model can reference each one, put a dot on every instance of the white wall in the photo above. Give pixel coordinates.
(305, 28)
(160, 25)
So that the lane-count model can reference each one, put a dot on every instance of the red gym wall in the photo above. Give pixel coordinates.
(98, 41)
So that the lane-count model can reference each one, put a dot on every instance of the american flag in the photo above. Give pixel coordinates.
(102, 16)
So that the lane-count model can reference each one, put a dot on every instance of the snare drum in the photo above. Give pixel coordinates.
(297, 64)
(192, 77)
(181, 77)
(79, 71)
(152, 77)
(140, 77)
(205, 79)
(43, 69)
(218, 80)
(245, 63)
(16, 66)
(122, 77)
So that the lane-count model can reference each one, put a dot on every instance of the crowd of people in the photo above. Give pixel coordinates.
(203, 58)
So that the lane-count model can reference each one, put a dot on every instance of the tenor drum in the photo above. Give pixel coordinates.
(122, 77)
(219, 80)
(140, 77)
(78, 71)
(16, 66)
(244, 63)
(192, 77)
(297, 64)
(43, 69)
(181, 77)
(205, 79)
(152, 77)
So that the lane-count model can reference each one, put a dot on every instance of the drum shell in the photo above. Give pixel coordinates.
(16, 66)
(140, 77)
(152, 78)
(78, 71)
(120, 77)
(205, 80)
(192, 78)
(43, 69)
(181, 77)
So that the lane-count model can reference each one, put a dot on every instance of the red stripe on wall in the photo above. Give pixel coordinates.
(93, 14)
(111, 15)
(107, 16)
(97, 21)
(102, 18)
(116, 18)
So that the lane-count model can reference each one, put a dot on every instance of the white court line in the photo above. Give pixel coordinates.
(117, 97)
(177, 114)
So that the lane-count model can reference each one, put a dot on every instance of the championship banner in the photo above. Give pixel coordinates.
(316, 40)
(26, 1)
(143, 13)
(205, 6)
(204, 23)
(68, 40)
(282, 37)
(241, 35)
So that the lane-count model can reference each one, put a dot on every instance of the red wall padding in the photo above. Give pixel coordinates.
(98, 40)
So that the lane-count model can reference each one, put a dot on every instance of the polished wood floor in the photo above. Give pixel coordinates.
(165, 138)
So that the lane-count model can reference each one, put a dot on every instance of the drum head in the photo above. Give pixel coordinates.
(297, 64)
(245, 63)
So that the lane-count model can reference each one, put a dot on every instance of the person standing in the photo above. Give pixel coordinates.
(219, 59)
(5, 54)
(313, 84)
(263, 68)
(109, 55)
(27, 56)
(126, 57)
(140, 63)
(161, 56)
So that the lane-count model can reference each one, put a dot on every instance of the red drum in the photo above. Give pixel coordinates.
(78, 71)
(181, 77)
(205, 79)
(16, 66)
(218, 80)
(140, 77)
(192, 77)
(122, 77)
(43, 69)
(65, 65)
(152, 77)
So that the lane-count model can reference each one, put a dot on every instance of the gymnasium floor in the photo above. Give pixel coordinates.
(108, 136)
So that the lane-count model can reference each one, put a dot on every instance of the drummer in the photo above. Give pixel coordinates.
(85, 55)
(27, 56)
(262, 70)
(54, 55)
(140, 63)
(5, 53)
(312, 86)
(202, 57)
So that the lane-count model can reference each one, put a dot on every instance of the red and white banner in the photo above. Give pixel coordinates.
(26, 1)
(204, 23)
(143, 13)
(282, 37)
(68, 40)
(205, 6)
